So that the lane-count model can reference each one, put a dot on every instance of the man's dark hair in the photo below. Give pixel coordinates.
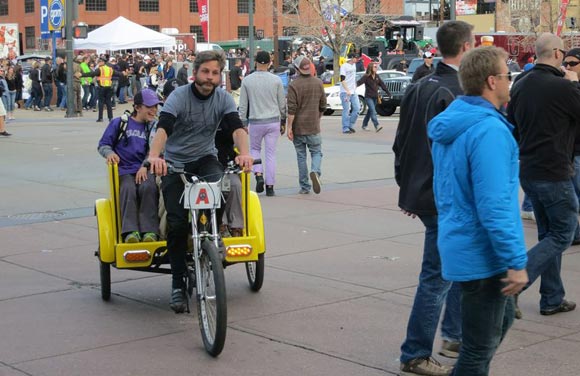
(452, 36)
(205, 56)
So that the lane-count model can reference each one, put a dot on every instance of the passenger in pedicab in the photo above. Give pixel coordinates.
(126, 142)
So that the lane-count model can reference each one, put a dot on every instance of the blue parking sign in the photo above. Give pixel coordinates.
(45, 18)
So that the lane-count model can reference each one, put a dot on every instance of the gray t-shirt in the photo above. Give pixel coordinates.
(197, 121)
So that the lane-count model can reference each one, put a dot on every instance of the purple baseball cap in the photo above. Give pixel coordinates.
(146, 97)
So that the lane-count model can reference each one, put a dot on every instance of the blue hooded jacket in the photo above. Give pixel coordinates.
(476, 186)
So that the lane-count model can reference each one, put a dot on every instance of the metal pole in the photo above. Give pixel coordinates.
(69, 11)
(251, 32)
(452, 9)
(277, 58)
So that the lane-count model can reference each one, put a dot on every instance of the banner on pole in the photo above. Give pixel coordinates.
(203, 17)
(562, 19)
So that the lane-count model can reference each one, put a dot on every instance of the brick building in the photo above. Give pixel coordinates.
(228, 18)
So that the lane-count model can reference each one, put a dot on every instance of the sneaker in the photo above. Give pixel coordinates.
(426, 367)
(304, 191)
(565, 306)
(347, 132)
(517, 311)
(132, 237)
(177, 303)
(315, 182)
(528, 215)
(150, 237)
(365, 129)
(450, 349)
(99, 120)
(270, 190)
(259, 184)
(351, 130)
(36, 108)
(378, 129)
(5, 134)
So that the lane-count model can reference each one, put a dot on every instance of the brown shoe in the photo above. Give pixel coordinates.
(425, 367)
(450, 349)
(237, 232)
(565, 306)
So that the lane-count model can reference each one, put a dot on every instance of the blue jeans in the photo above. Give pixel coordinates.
(486, 316)
(371, 113)
(11, 101)
(556, 209)
(350, 108)
(527, 204)
(431, 293)
(47, 88)
(60, 93)
(314, 144)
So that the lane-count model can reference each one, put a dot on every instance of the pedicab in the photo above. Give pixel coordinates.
(209, 256)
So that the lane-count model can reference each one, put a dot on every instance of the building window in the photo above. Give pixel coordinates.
(28, 6)
(30, 36)
(96, 5)
(3, 7)
(372, 6)
(290, 6)
(244, 6)
(244, 32)
(193, 6)
(152, 27)
(194, 29)
(93, 27)
(148, 5)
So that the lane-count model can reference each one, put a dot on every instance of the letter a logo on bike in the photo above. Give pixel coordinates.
(202, 197)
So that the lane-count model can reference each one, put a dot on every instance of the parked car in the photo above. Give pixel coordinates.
(397, 87)
(333, 102)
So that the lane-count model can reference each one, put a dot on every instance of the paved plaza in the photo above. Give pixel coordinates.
(341, 271)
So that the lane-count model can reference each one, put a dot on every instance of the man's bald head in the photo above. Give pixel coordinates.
(546, 44)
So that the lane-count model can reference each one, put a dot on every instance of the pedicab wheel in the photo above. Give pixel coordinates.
(211, 300)
(105, 270)
(255, 273)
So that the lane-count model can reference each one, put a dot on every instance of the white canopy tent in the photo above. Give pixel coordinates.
(123, 34)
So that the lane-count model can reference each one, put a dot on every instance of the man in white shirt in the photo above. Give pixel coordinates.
(348, 97)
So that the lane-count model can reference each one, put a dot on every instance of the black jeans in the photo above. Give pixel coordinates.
(486, 315)
(207, 168)
(105, 97)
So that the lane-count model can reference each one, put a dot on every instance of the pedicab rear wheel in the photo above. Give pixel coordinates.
(255, 273)
(105, 271)
(211, 300)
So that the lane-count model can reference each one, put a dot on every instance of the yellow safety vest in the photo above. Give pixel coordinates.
(105, 78)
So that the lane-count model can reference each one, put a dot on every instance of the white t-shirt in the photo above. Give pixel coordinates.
(349, 72)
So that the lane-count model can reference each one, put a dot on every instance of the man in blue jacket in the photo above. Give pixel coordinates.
(481, 239)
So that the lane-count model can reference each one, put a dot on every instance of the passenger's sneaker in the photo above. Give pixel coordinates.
(259, 184)
(304, 191)
(132, 237)
(315, 182)
(450, 349)
(177, 302)
(150, 237)
(237, 232)
(425, 367)
(528, 215)
(225, 231)
(517, 311)
(565, 306)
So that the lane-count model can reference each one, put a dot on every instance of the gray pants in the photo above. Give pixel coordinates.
(138, 205)
(233, 215)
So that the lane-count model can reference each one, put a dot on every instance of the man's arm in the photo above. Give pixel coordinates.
(244, 160)
(164, 130)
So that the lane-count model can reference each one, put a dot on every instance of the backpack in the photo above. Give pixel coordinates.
(122, 135)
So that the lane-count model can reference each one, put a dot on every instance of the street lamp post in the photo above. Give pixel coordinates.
(69, 14)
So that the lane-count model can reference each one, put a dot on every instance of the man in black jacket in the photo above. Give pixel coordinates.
(47, 80)
(425, 69)
(414, 175)
(544, 108)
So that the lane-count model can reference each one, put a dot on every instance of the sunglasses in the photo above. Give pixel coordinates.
(508, 75)
(570, 63)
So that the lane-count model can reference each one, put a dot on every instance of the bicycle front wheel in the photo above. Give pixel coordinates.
(211, 300)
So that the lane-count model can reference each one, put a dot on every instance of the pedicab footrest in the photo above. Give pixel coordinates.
(202, 195)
